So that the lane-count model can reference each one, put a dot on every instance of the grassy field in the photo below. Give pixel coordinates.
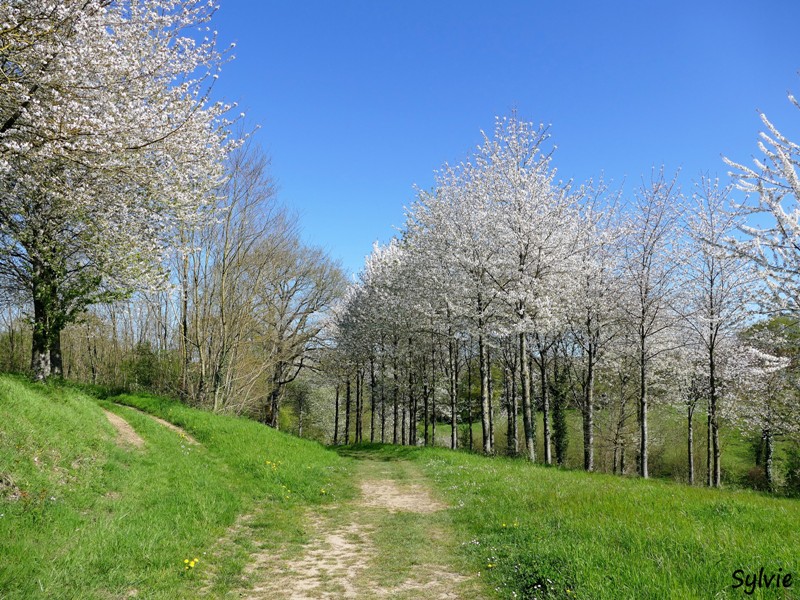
(537, 532)
(82, 517)
(668, 454)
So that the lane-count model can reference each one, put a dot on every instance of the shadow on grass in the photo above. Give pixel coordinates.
(382, 452)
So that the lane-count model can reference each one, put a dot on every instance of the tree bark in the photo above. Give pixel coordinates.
(425, 410)
(433, 396)
(358, 404)
(452, 381)
(274, 409)
(690, 441)
(510, 439)
(491, 398)
(336, 418)
(56, 359)
(396, 393)
(588, 414)
(40, 347)
(709, 453)
(347, 401)
(485, 407)
(412, 409)
(383, 394)
(183, 391)
(469, 403)
(560, 437)
(527, 414)
(372, 387)
(768, 454)
(548, 455)
(717, 474)
(643, 440)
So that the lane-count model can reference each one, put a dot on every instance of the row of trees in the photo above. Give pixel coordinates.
(139, 234)
(577, 298)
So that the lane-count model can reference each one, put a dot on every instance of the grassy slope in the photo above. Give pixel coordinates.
(84, 518)
(668, 447)
(98, 521)
(592, 536)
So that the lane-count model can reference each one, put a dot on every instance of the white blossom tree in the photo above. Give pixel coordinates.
(651, 267)
(108, 146)
(773, 239)
(537, 228)
(594, 315)
(767, 393)
(717, 290)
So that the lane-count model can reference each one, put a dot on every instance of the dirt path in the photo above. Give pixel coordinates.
(391, 542)
(185, 436)
(126, 435)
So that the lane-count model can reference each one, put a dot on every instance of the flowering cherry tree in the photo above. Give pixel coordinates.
(767, 401)
(109, 146)
(718, 287)
(772, 240)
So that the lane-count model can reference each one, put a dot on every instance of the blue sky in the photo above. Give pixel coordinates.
(361, 100)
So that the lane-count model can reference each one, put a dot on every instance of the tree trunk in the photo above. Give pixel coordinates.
(403, 421)
(490, 387)
(717, 474)
(372, 387)
(510, 441)
(425, 410)
(336, 418)
(453, 391)
(548, 456)
(690, 441)
(643, 411)
(560, 438)
(588, 415)
(396, 393)
(383, 394)
(527, 414)
(484, 375)
(412, 409)
(514, 412)
(40, 347)
(183, 390)
(347, 400)
(56, 361)
(469, 402)
(361, 374)
(358, 404)
(274, 408)
(767, 436)
(433, 396)
(709, 454)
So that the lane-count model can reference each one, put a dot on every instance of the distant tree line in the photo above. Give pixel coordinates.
(512, 295)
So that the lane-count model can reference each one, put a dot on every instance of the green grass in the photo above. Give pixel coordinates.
(537, 532)
(668, 453)
(84, 518)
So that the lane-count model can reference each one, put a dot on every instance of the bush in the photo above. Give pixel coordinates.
(756, 479)
(792, 470)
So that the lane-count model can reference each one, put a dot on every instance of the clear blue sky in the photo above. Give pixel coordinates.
(360, 100)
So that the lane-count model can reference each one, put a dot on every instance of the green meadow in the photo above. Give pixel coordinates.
(86, 515)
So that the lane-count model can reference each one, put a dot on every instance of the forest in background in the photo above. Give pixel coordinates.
(142, 247)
